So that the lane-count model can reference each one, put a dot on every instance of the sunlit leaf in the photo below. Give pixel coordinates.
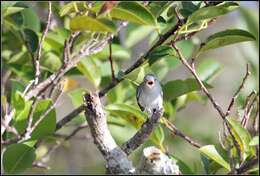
(176, 88)
(76, 96)
(211, 152)
(86, 23)
(50, 62)
(212, 11)
(11, 10)
(90, 69)
(254, 141)
(133, 12)
(226, 37)
(243, 135)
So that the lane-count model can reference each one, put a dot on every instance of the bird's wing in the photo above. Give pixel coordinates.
(138, 94)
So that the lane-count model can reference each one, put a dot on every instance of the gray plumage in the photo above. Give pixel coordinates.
(149, 94)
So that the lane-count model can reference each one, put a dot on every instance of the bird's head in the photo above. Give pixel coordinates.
(150, 80)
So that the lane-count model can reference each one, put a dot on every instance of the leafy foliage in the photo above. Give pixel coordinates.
(147, 23)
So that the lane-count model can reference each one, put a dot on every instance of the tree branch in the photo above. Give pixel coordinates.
(177, 132)
(138, 63)
(38, 55)
(238, 90)
(142, 134)
(111, 60)
(117, 161)
(205, 90)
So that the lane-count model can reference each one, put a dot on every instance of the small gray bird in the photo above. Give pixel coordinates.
(149, 94)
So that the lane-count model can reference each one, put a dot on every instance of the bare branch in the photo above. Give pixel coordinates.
(238, 90)
(69, 117)
(255, 123)
(248, 108)
(117, 161)
(245, 167)
(143, 133)
(27, 132)
(10, 129)
(205, 90)
(111, 60)
(177, 132)
(38, 54)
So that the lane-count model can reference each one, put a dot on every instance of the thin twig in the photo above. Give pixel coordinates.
(38, 54)
(30, 119)
(245, 167)
(44, 114)
(238, 90)
(111, 60)
(255, 123)
(58, 144)
(177, 132)
(205, 90)
(69, 117)
(247, 110)
(10, 129)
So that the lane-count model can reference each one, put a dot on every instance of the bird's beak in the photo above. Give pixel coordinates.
(150, 83)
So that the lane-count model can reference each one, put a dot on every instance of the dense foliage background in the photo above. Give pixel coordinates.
(221, 67)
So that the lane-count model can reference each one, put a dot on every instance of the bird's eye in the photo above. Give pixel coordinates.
(150, 82)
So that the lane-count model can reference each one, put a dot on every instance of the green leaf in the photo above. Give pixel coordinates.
(136, 118)
(24, 71)
(17, 158)
(118, 53)
(206, 163)
(76, 96)
(31, 39)
(50, 62)
(11, 10)
(226, 37)
(254, 141)
(188, 8)
(130, 113)
(241, 134)
(6, 4)
(69, 8)
(158, 137)
(86, 23)
(211, 152)
(89, 67)
(31, 20)
(133, 12)
(208, 69)
(157, 8)
(176, 88)
(54, 40)
(252, 20)
(48, 125)
(20, 119)
(17, 101)
(159, 52)
(212, 12)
